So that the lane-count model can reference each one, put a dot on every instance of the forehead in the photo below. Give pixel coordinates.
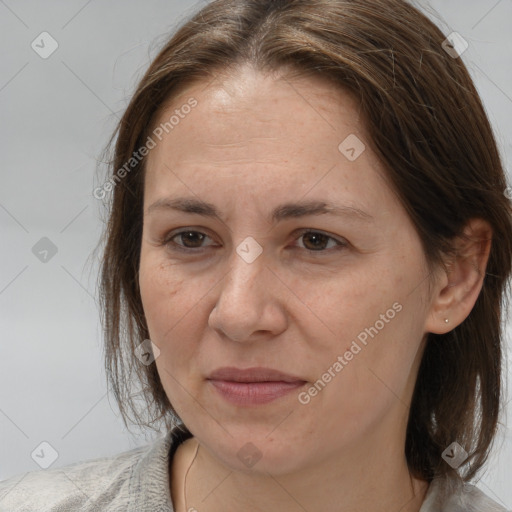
(252, 129)
(249, 105)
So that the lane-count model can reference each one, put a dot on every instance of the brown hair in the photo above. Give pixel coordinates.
(427, 125)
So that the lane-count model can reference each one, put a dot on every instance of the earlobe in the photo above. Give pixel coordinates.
(459, 287)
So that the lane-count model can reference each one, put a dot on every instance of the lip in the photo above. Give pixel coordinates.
(253, 386)
(258, 374)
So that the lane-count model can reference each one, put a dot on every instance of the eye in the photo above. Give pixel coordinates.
(317, 241)
(190, 239)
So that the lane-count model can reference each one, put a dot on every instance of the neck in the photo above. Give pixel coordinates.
(374, 478)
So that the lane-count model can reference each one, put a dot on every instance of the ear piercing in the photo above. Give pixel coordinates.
(446, 320)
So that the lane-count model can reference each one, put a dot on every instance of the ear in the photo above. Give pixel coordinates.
(457, 289)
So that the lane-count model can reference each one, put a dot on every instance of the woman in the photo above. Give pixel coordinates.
(302, 270)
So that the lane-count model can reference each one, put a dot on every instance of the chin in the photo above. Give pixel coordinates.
(252, 450)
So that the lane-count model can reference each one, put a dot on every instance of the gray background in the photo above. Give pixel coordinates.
(57, 114)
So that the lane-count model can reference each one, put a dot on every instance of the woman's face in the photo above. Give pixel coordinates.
(343, 309)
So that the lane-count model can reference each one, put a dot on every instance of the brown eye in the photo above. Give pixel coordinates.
(316, 241)
(189, 239)
(313, 241)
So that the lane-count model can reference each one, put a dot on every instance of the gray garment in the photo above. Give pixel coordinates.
(138, 481)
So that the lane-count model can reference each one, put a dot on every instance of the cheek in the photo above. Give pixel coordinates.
(354, 302)
(175, 305)
(158, 288)
(373, 378)
(378, 326)
(164, 299)
(169, 309)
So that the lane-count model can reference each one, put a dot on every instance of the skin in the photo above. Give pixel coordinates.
(253, 142)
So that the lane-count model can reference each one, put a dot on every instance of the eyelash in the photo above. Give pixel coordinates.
(167, 241)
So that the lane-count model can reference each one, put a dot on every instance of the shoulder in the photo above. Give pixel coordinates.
(88, 485)
(452, 495)
(70, 486)
(135, 480)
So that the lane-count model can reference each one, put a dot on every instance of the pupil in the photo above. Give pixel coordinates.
(316, 236)
(190, 235)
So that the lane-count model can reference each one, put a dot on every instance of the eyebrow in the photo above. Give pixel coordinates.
(281, 212)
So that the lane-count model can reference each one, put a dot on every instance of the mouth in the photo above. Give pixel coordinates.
(253, 386)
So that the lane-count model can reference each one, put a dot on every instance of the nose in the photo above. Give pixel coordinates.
(249, 304)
